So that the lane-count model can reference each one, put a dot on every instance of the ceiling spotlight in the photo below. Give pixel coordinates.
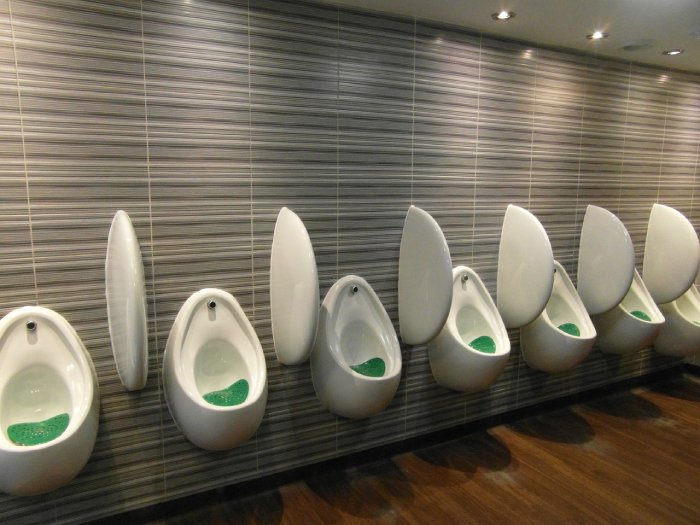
(597, 35)
(503, 15)
(672, 52)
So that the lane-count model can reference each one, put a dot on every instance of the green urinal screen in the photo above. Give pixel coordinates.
(375, 367)
(36, 433)
(641, 315)
(234, 394)
(484, 344)
(570, 328)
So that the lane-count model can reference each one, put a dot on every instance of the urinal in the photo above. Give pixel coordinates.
(605, 261)
(125, 291)
(425, 278)
(525, 268)
(472, 348)
(49, 402)
(214, 372)
(563, 334)
(671, 254)
(356, 360)
(680, 334)
(631, 325)
(294, 299)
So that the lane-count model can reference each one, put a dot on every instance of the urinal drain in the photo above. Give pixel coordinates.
(28, 434)
(641, 315)
(232, 395)
(374, 367)
(570, 328)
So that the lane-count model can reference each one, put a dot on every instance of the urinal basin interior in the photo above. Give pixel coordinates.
(634, 305)
(221, 374)
(475, 331)
(688, 305)
(363, 349)
(561, 315)
(35, 406)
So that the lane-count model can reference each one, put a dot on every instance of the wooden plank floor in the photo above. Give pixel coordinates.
(632, 457)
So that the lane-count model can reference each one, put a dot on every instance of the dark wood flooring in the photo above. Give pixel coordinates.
(633, 457)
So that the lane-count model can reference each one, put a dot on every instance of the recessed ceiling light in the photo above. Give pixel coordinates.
(503, 15)
(672, 52)
(597, 35)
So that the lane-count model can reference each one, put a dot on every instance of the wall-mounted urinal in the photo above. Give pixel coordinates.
(125, 290)
(472, 348)
(49, 402)
(294, 299)
(631, 325)
(425, 278)
(605, 261)
(214, 372)
(356, 360)
(562, 335)
(680, 334)
(671, 254)
(525, 268)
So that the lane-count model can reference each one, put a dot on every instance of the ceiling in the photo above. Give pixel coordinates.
(659, 24)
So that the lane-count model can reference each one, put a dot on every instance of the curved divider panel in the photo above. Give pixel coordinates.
(525, 268)
(125, 291)
(294, 298)
(680, 334)
(671, 254)
(49, 402)
(214, 372)
(605, 261)
(562, 335)
(425, 278)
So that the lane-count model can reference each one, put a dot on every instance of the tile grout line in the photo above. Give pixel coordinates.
(250, 172)
(413, 105)
(624, 139)
(337, 177)
(24, 152)
(578, 172)
(153, 248)
(663, 146)
(532, 133)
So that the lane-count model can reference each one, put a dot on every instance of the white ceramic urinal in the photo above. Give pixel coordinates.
(214, 372)
(425, 278)
(294, 299)
(563, 334)
(631, 325)
(680, 334)
(356, 361)
(525, 268)
(472, 348)
(605, 261)
(49, 402)
(125, 290)
(671, 254)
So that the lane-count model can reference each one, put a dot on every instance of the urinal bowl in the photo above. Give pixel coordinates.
(214, 371)
(631, 325)
(472, 348)
(49, 402)
(563, 335)
(680, 334)
(356, 360)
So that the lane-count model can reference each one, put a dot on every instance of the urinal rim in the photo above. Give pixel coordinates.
(177, 337)
(639, 282)
(332, 342)
(501, 349)
(87, 373)
(578, 306)
(674, 304)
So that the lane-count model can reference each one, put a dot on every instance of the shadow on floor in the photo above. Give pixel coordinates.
(560, 426)
(686, 387)
(364, 492)
(628, 406)
(466, 455)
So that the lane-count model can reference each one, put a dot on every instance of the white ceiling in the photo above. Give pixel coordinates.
(668, 24)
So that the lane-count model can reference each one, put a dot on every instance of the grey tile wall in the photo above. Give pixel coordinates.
(202, 118)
